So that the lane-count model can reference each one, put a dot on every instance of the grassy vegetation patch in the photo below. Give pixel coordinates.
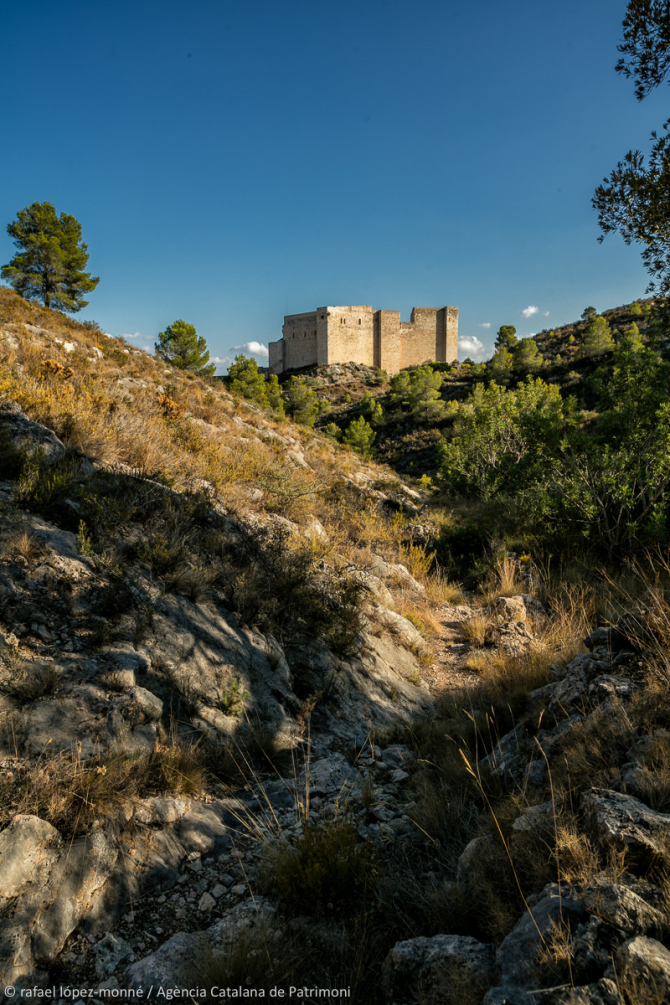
(326, 872)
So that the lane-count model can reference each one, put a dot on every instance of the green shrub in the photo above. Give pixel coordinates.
(11, 458)
(327, 872)
(270, 582)
(43, 486)
(360, 436)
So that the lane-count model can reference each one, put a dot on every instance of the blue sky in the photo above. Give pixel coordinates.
(231, 162)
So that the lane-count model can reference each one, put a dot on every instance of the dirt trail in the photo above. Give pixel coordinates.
(447, 671)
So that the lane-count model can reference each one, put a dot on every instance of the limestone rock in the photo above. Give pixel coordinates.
(621, 907)
(29, 436)
(29, 848)
(109, 952)
(176, 962)
(329, 775)
(511, 609)
(205, 827)
(61, 545)
(608, 638)
(84, 718)
(161, 810)
(397, 573)
(374, 586)
(645, 963)
(508, 756)
(622, 822)
(207, 903)
(517, 953)
(433, 965)
(46, 888)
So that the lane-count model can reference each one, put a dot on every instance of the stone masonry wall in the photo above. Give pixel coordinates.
(299, 336)
(350, 336)
(388, 327)
(451, 324)
(276, 356)
(422, 339)
(360, 335)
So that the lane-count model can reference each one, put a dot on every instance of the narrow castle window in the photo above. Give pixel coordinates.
(359, 320)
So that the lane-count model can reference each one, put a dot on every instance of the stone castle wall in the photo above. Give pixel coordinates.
(360, 335)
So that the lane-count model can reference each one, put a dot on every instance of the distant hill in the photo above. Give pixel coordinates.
(410, 448)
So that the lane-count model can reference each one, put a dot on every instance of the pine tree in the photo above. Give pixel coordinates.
(50, 265)
(597, 338)
(275, 400)
(181, 347)
(427, 405)
(506, 337)
(300, 401)
(500, 366)
(360, 436)
(244, 378)
(526, 356)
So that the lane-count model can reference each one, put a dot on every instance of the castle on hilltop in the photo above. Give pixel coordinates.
(361, 335)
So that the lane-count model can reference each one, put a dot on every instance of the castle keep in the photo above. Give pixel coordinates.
(361, 335)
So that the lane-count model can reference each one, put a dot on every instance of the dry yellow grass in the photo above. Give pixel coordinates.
(440, 590)
(504, 581)
(23, 543)
(180, 428)
(476, 629)
(420, 614)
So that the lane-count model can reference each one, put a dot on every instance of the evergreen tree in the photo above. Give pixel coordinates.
(526, 356)
(506, 337)
(597, 338)
(181, 347)
(417, 391)
(501, 365)
(50, 265)
(400, 392)
(634, 199)
(376, 417)
(275, 400)
(588, 313)
(371, 408)
(360, 436)
(244, 378)
(300, 401)
(333, 430)
(425, 386)
(635, 341)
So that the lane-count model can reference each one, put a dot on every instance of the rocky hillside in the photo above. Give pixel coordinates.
(410, 446)
(251, 740)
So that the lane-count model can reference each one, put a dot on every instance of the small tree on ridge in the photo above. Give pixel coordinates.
(50, 265)
(181, 347)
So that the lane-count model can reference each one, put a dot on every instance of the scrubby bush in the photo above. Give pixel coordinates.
(327, 872)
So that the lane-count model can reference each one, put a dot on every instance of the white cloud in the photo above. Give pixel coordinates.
(255, 348)
(486, 324)
(472, 347)
(545, 314)
(529, 311)
(136, 335)
(222, 363)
